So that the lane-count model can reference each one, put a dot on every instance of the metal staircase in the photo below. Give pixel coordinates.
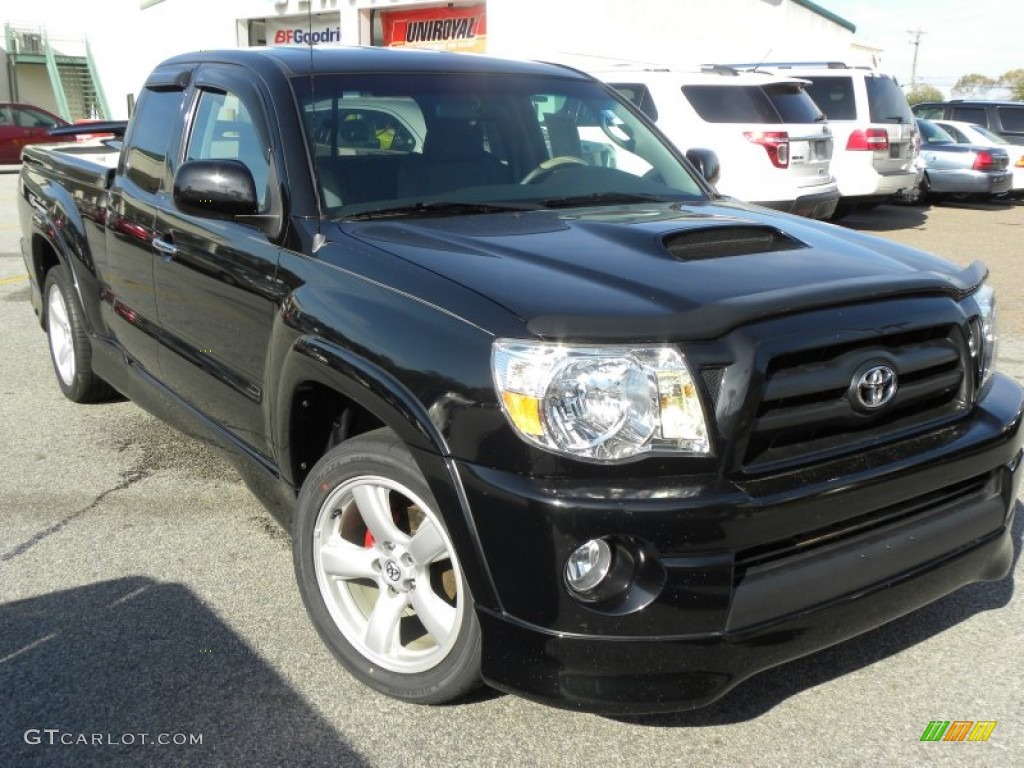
(75, 88)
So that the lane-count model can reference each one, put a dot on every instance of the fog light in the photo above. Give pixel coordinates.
(588, 566)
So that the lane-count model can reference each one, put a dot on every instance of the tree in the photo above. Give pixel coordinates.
(973, 85)
(1014, 82)
(921, 92)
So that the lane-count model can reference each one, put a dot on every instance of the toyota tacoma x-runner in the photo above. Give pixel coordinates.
(539, 408)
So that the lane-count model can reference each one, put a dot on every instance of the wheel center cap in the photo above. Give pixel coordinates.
(395, 575)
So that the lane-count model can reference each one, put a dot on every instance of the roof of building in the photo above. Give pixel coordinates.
(815, 8)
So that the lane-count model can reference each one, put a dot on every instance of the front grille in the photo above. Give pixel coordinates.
(809, 409)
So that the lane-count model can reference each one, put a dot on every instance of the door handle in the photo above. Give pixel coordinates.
(167, 250)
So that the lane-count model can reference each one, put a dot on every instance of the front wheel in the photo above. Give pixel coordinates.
(379, 575)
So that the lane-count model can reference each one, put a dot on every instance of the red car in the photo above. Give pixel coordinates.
(22, 124)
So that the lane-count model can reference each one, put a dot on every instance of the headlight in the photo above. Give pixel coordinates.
(599, 403)
(984, 339)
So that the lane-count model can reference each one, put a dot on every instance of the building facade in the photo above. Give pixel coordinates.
(582, 33)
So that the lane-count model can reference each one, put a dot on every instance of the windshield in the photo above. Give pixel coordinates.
(404, 143)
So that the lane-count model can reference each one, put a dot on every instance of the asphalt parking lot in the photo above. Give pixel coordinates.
(149, 615)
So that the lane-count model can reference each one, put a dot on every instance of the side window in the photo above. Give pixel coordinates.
(969, 115)
(224, 130)
(834, 96)
(1012, 118)
(929, 112)
(146, 158)
(33, 118)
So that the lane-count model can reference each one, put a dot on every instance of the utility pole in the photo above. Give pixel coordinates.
(916, 42)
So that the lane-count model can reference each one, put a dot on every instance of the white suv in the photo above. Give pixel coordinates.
(773, 143)
(873, 126)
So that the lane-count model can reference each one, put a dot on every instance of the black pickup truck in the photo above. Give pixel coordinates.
(539, 408)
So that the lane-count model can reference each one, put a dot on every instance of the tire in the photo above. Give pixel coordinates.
(920, 195)
(70, 348)
(843, 209)
(379, 575)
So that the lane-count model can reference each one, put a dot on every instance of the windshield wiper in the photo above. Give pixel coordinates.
(440, 208)
(595, 198)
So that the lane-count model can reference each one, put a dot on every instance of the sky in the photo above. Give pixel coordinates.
(958, 37)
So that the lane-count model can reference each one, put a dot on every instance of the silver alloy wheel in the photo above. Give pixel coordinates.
(387, 574)
(61, 339)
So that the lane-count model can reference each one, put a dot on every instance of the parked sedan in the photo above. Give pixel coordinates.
(958, 171)
(972, 133)
(23, 124)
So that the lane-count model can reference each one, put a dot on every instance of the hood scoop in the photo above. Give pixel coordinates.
(728, 240)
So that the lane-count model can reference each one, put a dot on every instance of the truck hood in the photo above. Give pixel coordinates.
(660, 271)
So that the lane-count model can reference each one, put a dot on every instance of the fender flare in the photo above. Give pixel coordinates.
(52, 219)
(313, 359)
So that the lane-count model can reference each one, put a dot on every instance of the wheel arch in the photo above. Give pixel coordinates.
(327, 393)
(321, 378)
(57, 238)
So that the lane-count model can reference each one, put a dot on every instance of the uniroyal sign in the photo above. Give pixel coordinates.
(300, 30)
(451, 29)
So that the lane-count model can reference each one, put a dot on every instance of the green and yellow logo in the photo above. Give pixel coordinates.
(958, 730)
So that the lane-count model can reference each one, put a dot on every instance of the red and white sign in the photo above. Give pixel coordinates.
(301, 30)
(449, 29)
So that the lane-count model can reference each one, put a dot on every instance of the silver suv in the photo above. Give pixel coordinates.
(774, 145)
(873, 127)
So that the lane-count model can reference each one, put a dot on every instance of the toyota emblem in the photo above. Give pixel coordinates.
(392, 571)
(875, 387)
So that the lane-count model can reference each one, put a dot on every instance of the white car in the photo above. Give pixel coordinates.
(972, 133)
(875, 135)
(774, 145)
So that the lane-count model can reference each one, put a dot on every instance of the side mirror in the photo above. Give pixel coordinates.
(706, 163)
(216, 187)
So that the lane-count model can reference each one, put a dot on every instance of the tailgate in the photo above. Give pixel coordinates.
(810, 153)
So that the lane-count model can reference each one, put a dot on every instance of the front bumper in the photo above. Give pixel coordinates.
(747, 574)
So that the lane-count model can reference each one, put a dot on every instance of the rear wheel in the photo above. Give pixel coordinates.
(70, 349)
(379, 575)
